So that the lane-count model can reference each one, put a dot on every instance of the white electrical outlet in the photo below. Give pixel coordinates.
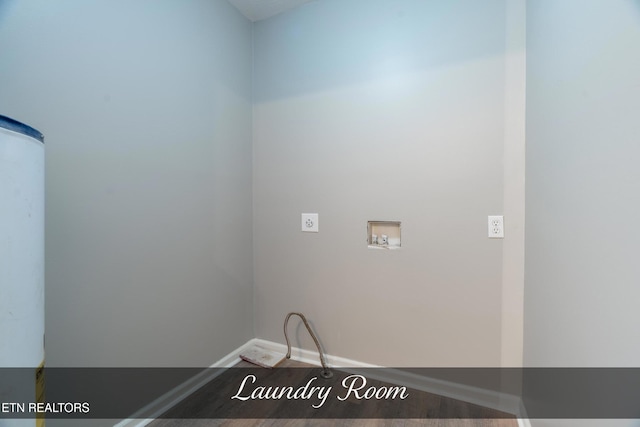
(496, 226)
(310, 222)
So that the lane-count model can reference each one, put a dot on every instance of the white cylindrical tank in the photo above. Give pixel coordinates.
(21, 245)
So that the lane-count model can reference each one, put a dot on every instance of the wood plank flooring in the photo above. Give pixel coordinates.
(199, 405)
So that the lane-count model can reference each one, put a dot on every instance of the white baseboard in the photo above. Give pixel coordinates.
(487, 398)
(524, 422)
(523, 419)
(176, 395)
(478, 396)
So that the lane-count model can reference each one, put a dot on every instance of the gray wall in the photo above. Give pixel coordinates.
(146, 111)
(582, 185)
(583, 181)
(382, 110)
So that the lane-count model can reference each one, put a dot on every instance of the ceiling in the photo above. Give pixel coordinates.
(256, 10)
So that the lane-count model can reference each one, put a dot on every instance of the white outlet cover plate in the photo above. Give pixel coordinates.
(496, 226)
(310, 222)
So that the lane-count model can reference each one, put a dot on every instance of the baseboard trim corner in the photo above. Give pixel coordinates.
(487, 398)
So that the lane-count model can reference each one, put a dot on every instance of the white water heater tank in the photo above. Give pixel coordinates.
(21, 245)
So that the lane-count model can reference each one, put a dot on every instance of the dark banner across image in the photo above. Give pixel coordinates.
(398, 393)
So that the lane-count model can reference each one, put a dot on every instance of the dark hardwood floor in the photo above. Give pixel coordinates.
(200, 409)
